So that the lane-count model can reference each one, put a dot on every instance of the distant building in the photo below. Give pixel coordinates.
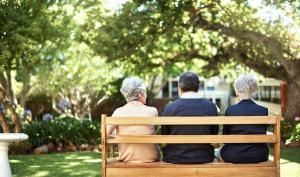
(269, 91)
(271, 94)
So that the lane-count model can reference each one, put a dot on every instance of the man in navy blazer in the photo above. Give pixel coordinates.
(190, 104)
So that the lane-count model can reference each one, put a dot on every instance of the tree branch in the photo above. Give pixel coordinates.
(275, 46)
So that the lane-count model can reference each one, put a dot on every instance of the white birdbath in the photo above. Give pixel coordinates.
(5, 139)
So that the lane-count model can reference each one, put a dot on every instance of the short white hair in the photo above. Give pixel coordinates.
(132, 88)
(245, 86)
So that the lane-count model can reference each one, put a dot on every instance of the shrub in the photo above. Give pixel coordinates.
(63, 131)
(37, 132)
(19, 147)
(296, 133)
(288, 127)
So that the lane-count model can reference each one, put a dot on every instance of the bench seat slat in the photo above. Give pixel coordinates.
(190, 120)
(190, 139)
(162, 164)
(175, 171)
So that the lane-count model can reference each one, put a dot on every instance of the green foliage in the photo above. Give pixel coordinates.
(289, 130)
(77, 70)
(24, 27)
(295, 136)
(152, 36)
(37, 132)
(63, 131)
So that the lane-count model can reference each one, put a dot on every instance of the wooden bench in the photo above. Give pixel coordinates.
(214, 169)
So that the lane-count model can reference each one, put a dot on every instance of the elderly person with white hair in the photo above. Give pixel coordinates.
(245, 86)
(134, 91)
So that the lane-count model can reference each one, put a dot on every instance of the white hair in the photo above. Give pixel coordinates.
(245, 86)
(132, 88)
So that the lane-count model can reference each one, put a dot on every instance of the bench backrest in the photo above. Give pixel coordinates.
(190, 139)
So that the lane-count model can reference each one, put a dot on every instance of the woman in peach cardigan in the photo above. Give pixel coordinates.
(134, 91)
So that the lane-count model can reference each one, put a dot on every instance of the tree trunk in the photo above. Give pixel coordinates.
(293, 98)
(15, 118)
(9, 91)
(10, 105)
(3, 123)
(26, 84)
(3, 81)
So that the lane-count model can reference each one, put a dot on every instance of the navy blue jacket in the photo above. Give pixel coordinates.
(189, 153)
(245, 153)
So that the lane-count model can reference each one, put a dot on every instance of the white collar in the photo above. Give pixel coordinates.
(188, 95)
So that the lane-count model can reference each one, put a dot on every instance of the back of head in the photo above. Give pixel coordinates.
(132, 88)
(245, 86)
(189, 81)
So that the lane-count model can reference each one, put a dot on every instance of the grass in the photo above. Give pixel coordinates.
(290, 162)
(87, 164)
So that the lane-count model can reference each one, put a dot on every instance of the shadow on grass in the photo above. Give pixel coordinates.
(288, 154)
(291, 154)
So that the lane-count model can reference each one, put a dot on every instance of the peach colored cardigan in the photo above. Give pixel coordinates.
(137, 153)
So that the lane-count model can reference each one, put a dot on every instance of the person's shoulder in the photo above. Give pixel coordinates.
(207, 102)
(152, 110)
(232, 108)
(117, 111)
(261, 108)
(172, 105)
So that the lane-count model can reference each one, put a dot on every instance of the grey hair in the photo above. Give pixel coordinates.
(132, 88)
(245, 86)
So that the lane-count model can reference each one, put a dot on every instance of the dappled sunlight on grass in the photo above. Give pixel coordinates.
(72, 164)
(34, 166)
(93, 161)
(43, 173)
(15, 161)
(77, 156)
(86, 164)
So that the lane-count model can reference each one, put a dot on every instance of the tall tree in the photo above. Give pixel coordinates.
(151, 34)
(25, 27)
(78, 77)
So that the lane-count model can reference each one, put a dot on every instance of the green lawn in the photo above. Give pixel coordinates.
(83, 164)
(290, 162)
(88, 164)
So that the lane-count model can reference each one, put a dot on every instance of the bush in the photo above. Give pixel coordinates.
(63, 131)
(296, 133)
(37, 132)
(19, 147)
(290, 130)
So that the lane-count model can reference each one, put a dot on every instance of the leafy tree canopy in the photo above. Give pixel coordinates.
(147, 35)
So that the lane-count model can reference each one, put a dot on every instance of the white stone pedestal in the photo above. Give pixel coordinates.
(5, 139)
